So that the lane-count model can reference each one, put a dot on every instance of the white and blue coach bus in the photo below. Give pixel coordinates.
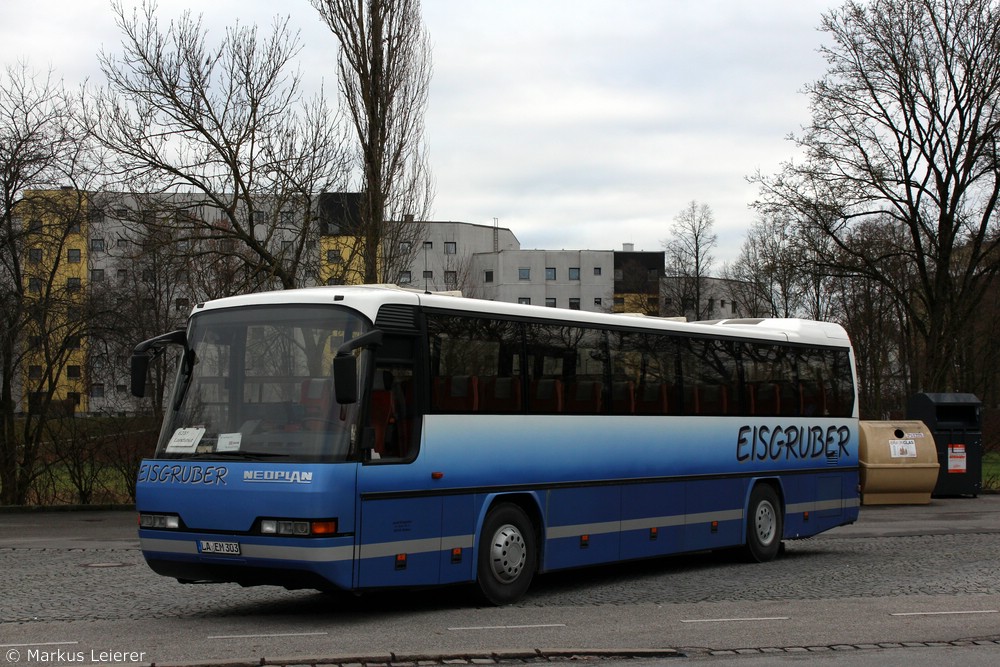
(370, 437)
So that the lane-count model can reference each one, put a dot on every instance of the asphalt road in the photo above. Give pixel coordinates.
(904, 581)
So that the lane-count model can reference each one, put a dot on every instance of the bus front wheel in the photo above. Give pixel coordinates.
(508, 554)
(764, 524)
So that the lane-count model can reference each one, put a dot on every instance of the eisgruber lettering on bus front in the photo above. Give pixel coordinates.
(182, 474)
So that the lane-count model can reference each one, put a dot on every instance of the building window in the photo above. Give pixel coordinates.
(73, 255)
(619, 274)
(451, 279)
(34, 226)
(97, 390)
(333, 257)
(182, 304)
(597, 270)
(428, 245)
(405, 277)
(122, 276)
(334, 280)
(73, 284)
(260, 217)
(34, 255)
(73, 397)
(34, 285)
(97, 245)
(450, 248)
(597, 301)
(121, 244)
(428, 275)
(574, 304)
(574, 273)
(73, 372)
(524, 273)
(526, 300)
(550, 302)
(97, 275)
(74, 227)
(550, 273)
(404, 247)
(147, 275)
(35, 372)
(487, 276)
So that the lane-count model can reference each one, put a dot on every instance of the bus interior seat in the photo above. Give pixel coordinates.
(583, 398)
(383, 412)
(546, 395)
(789, 399)
(813, 399)
(459, 393)
(765, 399)
(652, 399)
(712, 399)
(316, 399)
(501, 394)
(623, 397)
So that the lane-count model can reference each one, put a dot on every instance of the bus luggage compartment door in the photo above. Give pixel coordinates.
(399, 536)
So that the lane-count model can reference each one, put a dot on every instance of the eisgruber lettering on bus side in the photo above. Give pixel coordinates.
(763, 443)
(178, 474)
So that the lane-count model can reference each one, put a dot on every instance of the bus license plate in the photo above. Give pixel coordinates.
(213, 547)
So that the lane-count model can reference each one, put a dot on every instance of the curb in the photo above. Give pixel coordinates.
(41, 509)
(428, 659)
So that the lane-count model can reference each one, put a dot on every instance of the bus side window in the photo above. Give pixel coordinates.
(473, 362)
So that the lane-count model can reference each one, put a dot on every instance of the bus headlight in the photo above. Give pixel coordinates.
(160, 521)
(298, 527)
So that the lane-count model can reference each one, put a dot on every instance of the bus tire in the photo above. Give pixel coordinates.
(764, 524)
(508, 555)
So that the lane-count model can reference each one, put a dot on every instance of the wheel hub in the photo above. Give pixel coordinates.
(765, 523)
(508, 553)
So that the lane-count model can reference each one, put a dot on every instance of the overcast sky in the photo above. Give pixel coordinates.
(579, 124)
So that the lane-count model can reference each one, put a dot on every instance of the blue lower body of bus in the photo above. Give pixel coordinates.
(596, 492)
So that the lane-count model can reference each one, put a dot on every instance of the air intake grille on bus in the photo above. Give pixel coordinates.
(397, 318)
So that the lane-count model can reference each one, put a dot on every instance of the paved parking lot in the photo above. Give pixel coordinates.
(87, 566)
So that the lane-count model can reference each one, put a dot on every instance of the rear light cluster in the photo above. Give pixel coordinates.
(298, 527)
(160, 521)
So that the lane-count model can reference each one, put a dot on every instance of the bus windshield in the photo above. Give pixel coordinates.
(257, 384)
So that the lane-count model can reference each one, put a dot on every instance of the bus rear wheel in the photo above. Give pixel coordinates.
(764, 524)
(508, 554)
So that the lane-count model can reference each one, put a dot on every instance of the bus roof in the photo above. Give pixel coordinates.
(367, 299)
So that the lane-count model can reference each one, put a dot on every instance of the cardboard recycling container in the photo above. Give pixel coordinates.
(899, 463)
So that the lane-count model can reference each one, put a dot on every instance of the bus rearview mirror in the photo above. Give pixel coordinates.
(345, 379)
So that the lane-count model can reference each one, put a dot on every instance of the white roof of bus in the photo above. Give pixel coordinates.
(367, 299)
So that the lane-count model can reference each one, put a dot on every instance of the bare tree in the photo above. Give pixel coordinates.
(905, 126)
(689, 259)
(227, 126)
(384, 70)
(45, 161)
